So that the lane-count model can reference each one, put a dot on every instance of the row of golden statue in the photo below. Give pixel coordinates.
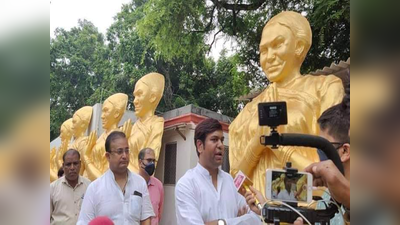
(146, 132)
(286, 39)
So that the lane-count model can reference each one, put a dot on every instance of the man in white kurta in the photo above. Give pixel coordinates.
(125, 200)
(206, 194)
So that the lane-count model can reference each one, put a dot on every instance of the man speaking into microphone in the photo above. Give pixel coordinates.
(206, 194)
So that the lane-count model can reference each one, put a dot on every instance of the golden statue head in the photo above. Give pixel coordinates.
(285, 42)
(148, 92)
(113, 110)
(66, 130)
(81, 120)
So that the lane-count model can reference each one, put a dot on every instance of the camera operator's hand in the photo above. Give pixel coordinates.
(251, 199)
(327, 174)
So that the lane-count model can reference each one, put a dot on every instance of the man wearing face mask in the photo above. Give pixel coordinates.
(147, 166)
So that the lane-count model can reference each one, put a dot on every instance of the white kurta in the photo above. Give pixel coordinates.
(105, 198)
(198, 202)
(285, 196)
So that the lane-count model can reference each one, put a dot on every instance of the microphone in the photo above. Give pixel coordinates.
(241, 180)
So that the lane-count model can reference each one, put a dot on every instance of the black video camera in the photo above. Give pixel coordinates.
(274, 114)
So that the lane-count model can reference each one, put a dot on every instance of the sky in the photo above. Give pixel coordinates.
(65, 14)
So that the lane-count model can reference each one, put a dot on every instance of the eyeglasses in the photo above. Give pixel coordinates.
(121, 151)
(337, 145)
(150, 160)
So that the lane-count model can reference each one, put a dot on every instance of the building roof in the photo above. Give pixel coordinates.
(340, 70)
(194, 114)
(195, 110)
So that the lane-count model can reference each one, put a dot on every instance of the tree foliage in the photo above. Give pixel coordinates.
(78, 64)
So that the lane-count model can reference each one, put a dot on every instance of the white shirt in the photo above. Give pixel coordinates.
(197, 201)
(66, 201)
(284, 195)
(105, 198)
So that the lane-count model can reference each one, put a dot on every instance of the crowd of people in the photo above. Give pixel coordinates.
(118, 197)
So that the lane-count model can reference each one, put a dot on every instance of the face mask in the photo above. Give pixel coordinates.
(150, 168)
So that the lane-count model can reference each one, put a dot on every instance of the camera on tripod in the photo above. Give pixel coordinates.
(274, 114)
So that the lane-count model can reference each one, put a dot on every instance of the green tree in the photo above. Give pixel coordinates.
(189, 80)
(78, 63)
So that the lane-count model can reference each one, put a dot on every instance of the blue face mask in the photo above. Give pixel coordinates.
(150, 168)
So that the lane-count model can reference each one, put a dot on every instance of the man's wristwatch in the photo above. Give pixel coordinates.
(221, 222)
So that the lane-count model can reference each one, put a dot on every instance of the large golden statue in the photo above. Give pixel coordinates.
(94, 156)
(148, 130)
(80, 123)
(56, 155)
(285, 41)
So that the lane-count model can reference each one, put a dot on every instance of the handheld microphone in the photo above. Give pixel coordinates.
(241, 179)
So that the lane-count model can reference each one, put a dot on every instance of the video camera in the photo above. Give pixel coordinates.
(274, 114)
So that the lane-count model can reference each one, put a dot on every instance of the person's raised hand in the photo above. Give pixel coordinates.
(251, 202)
(326, 174)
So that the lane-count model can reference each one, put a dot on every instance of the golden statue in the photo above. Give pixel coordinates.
(148, 130)
(80, 123)
(301, 188)
(113, 110)
(65, 136)
(53, 166)
(278, 184)
(285, 41)
(56, 155)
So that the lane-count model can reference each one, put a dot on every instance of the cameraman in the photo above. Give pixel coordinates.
(335, 127)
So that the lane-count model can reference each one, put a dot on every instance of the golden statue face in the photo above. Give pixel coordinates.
(79, 126)
(108, 115)
(277, 52)
(81, 120)
(66, 130)
(143, 99)
(65, 133)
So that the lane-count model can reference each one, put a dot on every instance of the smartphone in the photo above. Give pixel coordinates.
(288, 187)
